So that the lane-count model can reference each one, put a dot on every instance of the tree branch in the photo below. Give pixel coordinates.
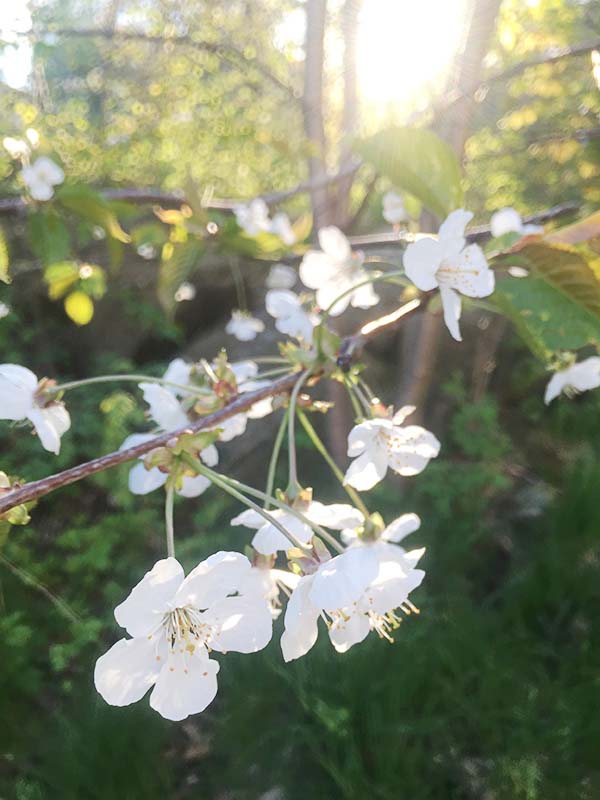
(36, 489)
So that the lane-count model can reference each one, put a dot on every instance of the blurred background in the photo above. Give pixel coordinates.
(164, 114)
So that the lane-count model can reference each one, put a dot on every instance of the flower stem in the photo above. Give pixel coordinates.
(293, 485)
(362, 397)
(319, 445)
(358, 414)
(238, 281)
(237, 487)
(170, 528)
(63, 387)
(275, 457)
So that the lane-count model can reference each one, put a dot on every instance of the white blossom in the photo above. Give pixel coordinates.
(254, 217)
(291, 317)
(377, 444)
(244, 326)
(355, 592)
(21, 398)
(577, 378)
(282, 227)
(41, 177)
(147, 251)
(16, 148)
(4, 310)
(450, 264)
(394, 211)
(335, 270)
(281, 277)
(508, 220)
(268, 539)
(175, 623)
(186, 291)
(269, 584)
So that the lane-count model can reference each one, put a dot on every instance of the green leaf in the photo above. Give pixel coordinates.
(90, 205)
(79, 307)
(417, 161)
(60, 278)
(48, 236)
(4, 263)
(547, 319)
(176, 266)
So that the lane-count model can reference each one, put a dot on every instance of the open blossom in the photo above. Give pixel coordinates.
(577, 378)
(393, 208)
(377, 444)
(393, 533)
(266, 581)
(281, 277)
(450, 264)
(268, 539)
(175, 623)
(254, 217)
(508, 220)
(290, 315)
(337, 270)
(41, 177)
(22, 397)
(244, 326)
(355, 592)
(282, 227)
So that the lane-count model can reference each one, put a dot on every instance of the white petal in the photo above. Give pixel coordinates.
(142, 610)
(250, 518)
(586, 374)
(317, 268)
(124, 673)
(504, 221)
(143, 481)
(212, 580)
(340, 582)
(470, 274)
(301, 629)
(193, 486)
(335, 516)
(165, 409)
(40, 190)
(391, 588)
(555, 386)
(299, 325)
(361, 436)
(17, 387)
(50, 423)
(178, 371)
(243, 624)
(269, 539)
(186, 685)
(364, 296)
(401, 527)
(451, 234)
(281, 303)
(349, 630)
(412, 449)
(232, 427)
(335, 244)
(210, 455)
(136, 438)
(281, 277)
(368, 469)
(244, 371)
(451, 304)
(421, 261)
(402, 414)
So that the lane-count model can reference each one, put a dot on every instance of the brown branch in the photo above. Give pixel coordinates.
(226, 51)
(36, 489)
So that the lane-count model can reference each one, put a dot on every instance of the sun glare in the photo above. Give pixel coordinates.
(406, 47)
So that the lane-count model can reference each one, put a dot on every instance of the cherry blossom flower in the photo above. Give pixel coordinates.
(175, 622)
(254, 217)
(394, 533)
(450, 264)
(268, 539)
(355, 592)
(377, 444)
(508, 220)
(244, 326)
(336, 270)
(22, 397)
(577, 378)
(393, 208)
(282, 227)
(281, 277)
(16, 148)
(290, 315)
(269, 583)
(4, 310)
(41, 177)
(186, 291)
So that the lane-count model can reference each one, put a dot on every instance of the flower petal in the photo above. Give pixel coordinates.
(165, 409)
(451, 234)
(317, 268)
(364, 296)
(340, 582)
(142, 480)
(193, 486)
(349, 630)
(301, 615)
(142, 610)
(124, 673)
(335, 244)
(421, 261)
(186, 685)
(471, 274)
(17, 387)
(368, 469)
(282, 303)
(361, 436)
(212, 580)
(50, 423)
(335, 516)
(451, 304)
(243, 624)
(401, 527)
(412, 449)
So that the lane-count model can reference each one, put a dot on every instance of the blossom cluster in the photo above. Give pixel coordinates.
(305, 560)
